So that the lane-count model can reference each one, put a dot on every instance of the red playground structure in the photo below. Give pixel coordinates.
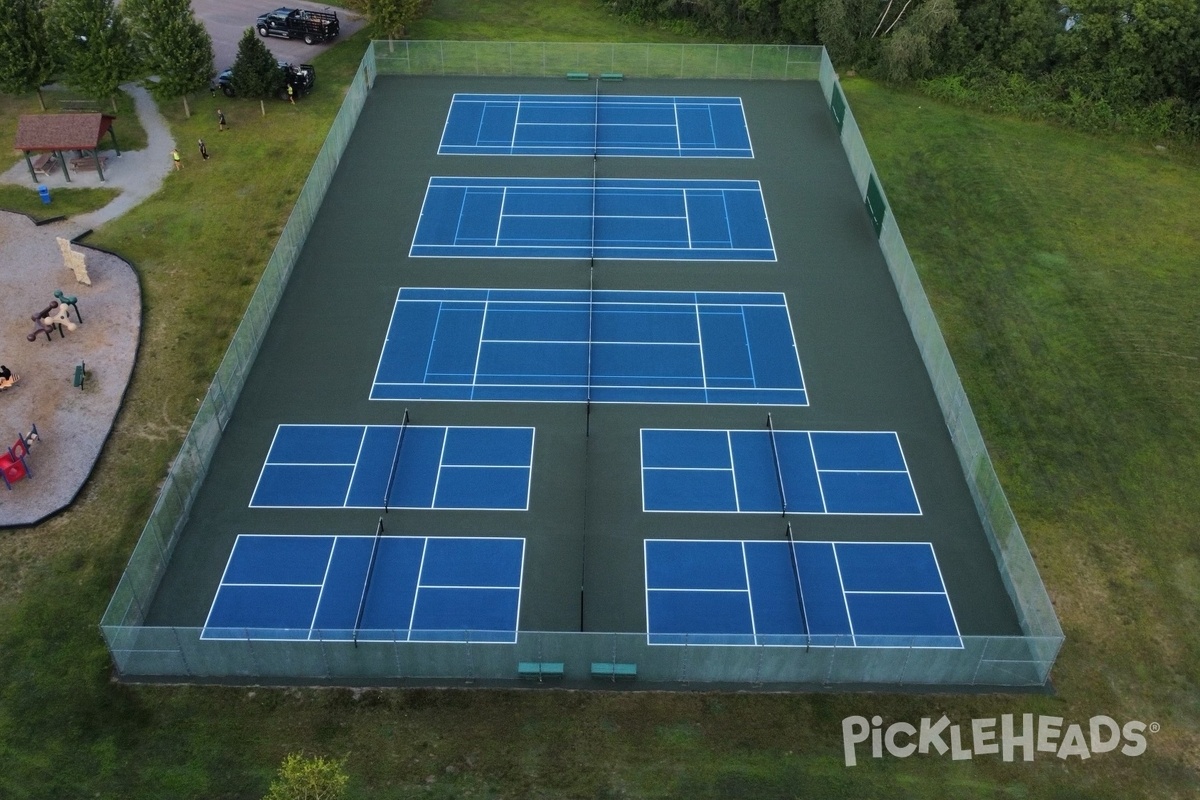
(13, 466)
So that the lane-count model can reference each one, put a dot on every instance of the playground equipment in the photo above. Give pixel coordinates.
(74, 261)
(47, 321)
(68, 300)
(13, 466)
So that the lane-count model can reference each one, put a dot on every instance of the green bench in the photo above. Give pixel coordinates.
(612, 76)
(540, 670)
(578, 76)
(80, 375)
(613, 671)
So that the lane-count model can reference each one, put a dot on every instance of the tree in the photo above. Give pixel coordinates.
(95, 45)
(392, 17)
(26, 60)
(907, 51)
(173, 46)
(313, 778)
(256, 73)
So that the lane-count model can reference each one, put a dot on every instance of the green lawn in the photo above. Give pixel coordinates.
(1062, 268)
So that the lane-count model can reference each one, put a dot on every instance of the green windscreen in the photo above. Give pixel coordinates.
(875, 205)
(838, 106)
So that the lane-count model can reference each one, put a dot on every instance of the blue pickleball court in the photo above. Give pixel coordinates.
(804, 472)
(612, 218)
(442, 589)
(834, 594)
(436, 467)
(604, 346)
(604, 125)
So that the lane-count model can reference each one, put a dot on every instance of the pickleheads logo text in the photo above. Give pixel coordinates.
(1024, 735)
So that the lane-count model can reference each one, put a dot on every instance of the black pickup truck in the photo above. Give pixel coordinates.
(299, 23)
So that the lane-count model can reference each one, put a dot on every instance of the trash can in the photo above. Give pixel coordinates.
(44, 191)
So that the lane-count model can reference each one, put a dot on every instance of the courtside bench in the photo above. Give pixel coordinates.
(613, 671)
(539, 670)
(578, 76)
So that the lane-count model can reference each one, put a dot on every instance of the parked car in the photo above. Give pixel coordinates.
(298, 23)
(301, 77)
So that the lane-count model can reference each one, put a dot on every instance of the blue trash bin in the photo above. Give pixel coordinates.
(44, 191)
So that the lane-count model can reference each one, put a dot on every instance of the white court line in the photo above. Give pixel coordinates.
(324, 579)
(437, 480)
(354, 471)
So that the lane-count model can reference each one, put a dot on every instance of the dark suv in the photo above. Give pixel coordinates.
(301, 77)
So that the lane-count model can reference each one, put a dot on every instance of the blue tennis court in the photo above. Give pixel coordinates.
(603, 346)
(436, 467)
(804, 472)
(612, 218)
(606, 125)
(438, 589)
(834, 594)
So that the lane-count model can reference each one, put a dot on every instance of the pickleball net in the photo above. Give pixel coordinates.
(387, 494)
(362, 600)
(791, 543)
(778, 469)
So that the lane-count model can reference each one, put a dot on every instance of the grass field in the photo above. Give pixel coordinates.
(1062, 268)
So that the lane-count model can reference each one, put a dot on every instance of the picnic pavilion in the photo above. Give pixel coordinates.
(52, 136)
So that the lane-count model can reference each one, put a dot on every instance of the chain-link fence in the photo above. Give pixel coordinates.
(556, 59)
(144, 651)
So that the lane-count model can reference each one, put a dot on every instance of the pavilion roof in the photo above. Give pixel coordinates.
(39, 132)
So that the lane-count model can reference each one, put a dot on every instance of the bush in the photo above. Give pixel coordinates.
(313, 778)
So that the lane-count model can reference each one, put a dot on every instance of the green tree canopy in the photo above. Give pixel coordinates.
(392, 17)
(256, 73)
(95, 45)
(172, 45)
(26, 59)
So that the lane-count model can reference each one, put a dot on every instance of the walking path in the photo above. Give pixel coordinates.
(73, 422)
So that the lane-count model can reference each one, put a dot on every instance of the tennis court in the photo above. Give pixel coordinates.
(550, 125)
(600, 383)
(607, 218)
(598, 346)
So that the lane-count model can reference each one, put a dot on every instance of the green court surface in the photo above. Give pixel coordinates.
(584, 593)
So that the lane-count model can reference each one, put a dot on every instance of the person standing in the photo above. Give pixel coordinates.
(203, 149)
(291, 93)
(175, 157)
(220, 120)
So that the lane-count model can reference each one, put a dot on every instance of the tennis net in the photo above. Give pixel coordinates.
(778, 469)
(387, 494)
(592, 255)
(791, 542)
(362, 600)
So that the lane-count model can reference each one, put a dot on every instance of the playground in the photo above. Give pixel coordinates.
(72, 408)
